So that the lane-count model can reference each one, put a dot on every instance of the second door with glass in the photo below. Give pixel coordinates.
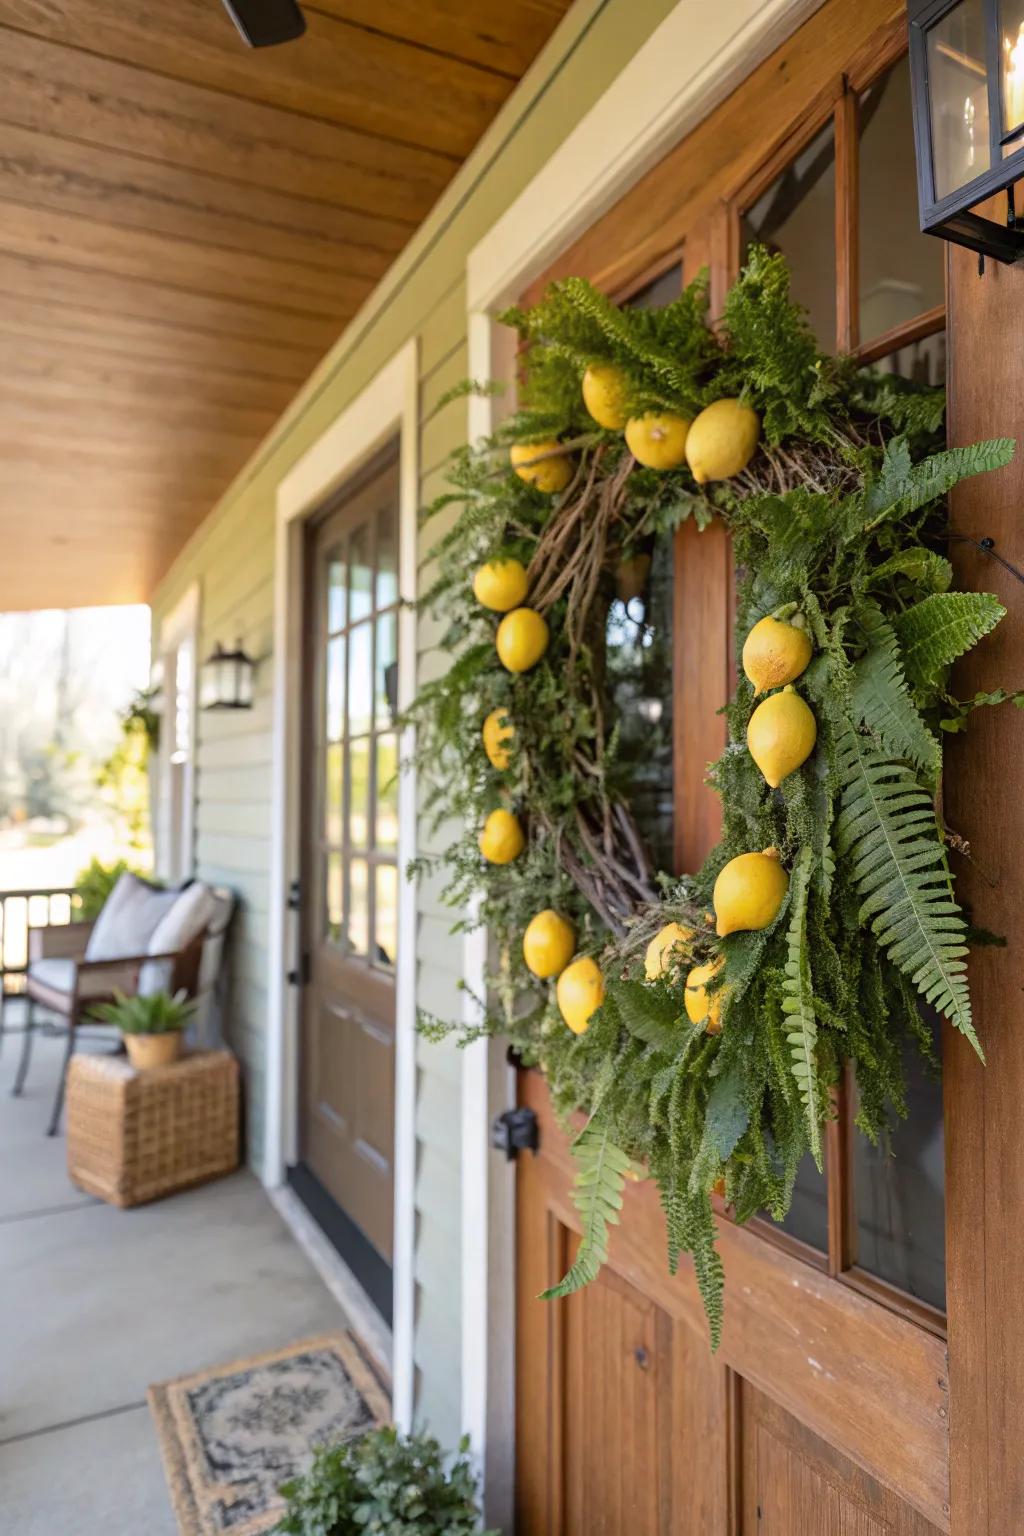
(349, 886)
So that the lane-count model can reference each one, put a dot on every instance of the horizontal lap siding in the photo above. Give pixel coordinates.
(231, 556)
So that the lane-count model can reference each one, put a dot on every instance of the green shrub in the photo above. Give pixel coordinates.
(94, 883)
(157, 1014)
(383, 1483)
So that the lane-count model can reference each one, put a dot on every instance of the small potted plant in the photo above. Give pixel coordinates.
(151, 1027)
(386, 1482)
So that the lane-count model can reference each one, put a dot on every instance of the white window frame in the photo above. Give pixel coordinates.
(387, 408)
(178, 628)
(689, 64)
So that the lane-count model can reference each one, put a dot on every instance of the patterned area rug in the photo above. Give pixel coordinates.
(232, 1435)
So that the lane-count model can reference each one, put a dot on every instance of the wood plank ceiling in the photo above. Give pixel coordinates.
(186, 225)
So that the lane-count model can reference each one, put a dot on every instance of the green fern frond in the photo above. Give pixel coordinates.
(920, 565)
(597, 1194)
(880, 698)
(904, 487)
(798, 1001)
(650, 1013)
(888, 831)
(940, 629)
(690, 1223)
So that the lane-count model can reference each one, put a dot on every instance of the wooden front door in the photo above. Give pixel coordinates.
(827, 1410)
(350, 875)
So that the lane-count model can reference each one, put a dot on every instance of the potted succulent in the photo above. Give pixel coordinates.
(387, 1483)
(151, 1026)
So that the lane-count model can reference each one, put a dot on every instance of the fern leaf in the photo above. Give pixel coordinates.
(941, 628)
(650, 1014)
(798, 1001)
(888, 831)
(880, 699)
(597, 1195)
(690, 1223)
(922, 565)
(903, 487)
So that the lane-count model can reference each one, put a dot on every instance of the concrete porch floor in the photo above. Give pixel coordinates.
(97, 1303)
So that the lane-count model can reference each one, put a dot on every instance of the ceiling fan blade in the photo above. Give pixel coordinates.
(265, 22)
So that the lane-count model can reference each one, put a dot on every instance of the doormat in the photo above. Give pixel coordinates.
(231, 1435)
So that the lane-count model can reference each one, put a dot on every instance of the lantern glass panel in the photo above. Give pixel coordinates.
(1011, 42)
(958, 97)
(244, 674)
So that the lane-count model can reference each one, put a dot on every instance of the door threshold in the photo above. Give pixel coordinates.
(360, 1311)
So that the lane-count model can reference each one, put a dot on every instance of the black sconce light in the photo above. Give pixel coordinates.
(967, 80)
(227, 679)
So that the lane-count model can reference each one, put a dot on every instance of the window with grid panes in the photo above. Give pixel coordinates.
(843, 211)
(360, 749)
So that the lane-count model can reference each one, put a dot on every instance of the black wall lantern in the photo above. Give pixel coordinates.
(227, 679)
(967, 76)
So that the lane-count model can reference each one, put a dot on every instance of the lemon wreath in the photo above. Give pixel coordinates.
(700, 1022)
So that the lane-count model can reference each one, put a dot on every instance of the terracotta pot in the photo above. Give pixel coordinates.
(147, 1051)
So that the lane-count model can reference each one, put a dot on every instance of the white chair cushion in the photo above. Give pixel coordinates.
(193, 910)
(60, 976)
(130, 916)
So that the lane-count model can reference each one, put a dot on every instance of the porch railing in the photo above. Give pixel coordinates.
(20, 912)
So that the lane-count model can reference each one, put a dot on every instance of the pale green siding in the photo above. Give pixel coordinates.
(232, 557)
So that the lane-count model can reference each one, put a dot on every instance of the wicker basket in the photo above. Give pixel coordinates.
(135, 1136)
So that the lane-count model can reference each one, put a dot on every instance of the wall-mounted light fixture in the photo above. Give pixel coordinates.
(227, 679)
(967, 81)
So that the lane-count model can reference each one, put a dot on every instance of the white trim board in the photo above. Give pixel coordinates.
(689, 64)
(387, 407)
(176, 628)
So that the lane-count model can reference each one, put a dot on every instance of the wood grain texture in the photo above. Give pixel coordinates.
(186, 226)
(984, 1146)
(867, 1383)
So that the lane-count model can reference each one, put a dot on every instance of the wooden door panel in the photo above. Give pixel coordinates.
(795, 1482)
(864, 1381)
(612, 1387)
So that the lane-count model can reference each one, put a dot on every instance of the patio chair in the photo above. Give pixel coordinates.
(145, 940)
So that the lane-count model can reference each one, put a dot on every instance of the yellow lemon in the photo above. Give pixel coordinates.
(662, 952)
(580, 992)
(548, 943)
(750, 891)
(605, 388)
(722, 440)
(781, 734)
(522, 639)
(548, 474)
(775, 652)
(699, 1006)
(500, 585)
(657, 441)
(502, 838)
(498, 729)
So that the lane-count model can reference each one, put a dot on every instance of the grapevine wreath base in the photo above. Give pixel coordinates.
(701, 1022)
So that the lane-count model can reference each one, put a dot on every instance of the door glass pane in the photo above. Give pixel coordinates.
(386, 915)
(335, 593)
(361, 575)
(360, 679)
(797, 217)
(957, 97)
(807, 1217)
(334, 897)
(334, 717)
(333, 789)
(387, 557)
(387, 793)
(1011, 34)
(901, 270)
(638, 635)
(668, 285)
(385, 702)
(359, 792)
(358, 907)
(899, 1199)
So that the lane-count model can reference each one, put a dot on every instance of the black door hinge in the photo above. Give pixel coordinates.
(515, 1131)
